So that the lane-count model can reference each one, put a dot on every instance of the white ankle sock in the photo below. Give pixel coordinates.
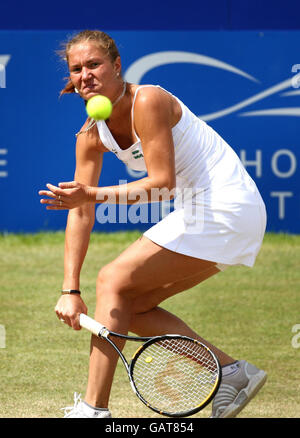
(93, 408)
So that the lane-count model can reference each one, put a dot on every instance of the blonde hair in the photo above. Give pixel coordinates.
(104, 41)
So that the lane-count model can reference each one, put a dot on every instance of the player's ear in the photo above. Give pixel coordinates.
(118, 66)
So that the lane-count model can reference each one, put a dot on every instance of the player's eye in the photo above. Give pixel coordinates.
(94, 64)
(75, 69)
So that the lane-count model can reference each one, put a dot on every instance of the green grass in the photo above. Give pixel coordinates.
(248, 313)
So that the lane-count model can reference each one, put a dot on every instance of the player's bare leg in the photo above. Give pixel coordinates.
(142, 268)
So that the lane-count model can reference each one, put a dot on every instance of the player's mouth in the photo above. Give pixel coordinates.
(89, 87)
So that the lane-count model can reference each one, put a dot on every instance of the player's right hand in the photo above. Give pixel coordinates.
(68, 309)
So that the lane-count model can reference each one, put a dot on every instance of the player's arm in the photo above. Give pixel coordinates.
(89, 157)
(154, 118)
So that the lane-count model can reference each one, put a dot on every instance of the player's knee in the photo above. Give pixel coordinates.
(104, 277)
(109, 281)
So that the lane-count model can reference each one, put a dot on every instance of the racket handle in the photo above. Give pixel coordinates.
(90, 324)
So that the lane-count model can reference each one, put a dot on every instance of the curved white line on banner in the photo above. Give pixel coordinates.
(291, 93)
(140, 67)
(274, 112)
(272, 90)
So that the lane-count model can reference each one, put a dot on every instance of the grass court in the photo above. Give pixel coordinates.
(250, 313)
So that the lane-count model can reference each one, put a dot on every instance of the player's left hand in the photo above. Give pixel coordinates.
(65, 196)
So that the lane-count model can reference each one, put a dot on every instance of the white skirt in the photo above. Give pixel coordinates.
(225, 227)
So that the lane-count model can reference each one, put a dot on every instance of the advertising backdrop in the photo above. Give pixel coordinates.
(245, 84)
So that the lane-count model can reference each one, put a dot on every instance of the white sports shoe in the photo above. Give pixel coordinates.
(83, 410)
(237, 390)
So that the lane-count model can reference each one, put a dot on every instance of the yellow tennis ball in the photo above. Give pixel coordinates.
(148, 359)
(99, 107)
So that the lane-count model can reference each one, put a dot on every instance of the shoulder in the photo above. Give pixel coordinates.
(157, 105)
(153, 101)
(151, 95)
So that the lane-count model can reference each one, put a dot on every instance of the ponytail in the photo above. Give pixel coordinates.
(68, 89)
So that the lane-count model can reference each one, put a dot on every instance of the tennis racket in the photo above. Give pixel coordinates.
(175, 376)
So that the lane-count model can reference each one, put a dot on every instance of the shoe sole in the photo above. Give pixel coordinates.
(245, 395)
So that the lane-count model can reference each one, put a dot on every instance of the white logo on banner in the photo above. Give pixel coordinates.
(286, 88)
(140, 67)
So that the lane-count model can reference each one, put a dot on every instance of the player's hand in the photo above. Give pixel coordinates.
(68, 309)
(65, 196)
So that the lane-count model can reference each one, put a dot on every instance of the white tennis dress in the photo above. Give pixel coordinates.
(219, 214)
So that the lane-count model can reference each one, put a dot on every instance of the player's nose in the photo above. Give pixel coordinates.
(85, 73)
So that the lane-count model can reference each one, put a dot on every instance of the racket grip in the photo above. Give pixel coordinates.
(90, 324)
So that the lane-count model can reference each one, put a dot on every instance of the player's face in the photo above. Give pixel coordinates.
(92, 71)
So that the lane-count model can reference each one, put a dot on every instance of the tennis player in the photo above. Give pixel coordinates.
(219, 218)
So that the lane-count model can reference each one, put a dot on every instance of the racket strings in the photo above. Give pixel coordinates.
(175, 375)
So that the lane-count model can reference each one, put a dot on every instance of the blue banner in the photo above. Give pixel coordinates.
(244, 84)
